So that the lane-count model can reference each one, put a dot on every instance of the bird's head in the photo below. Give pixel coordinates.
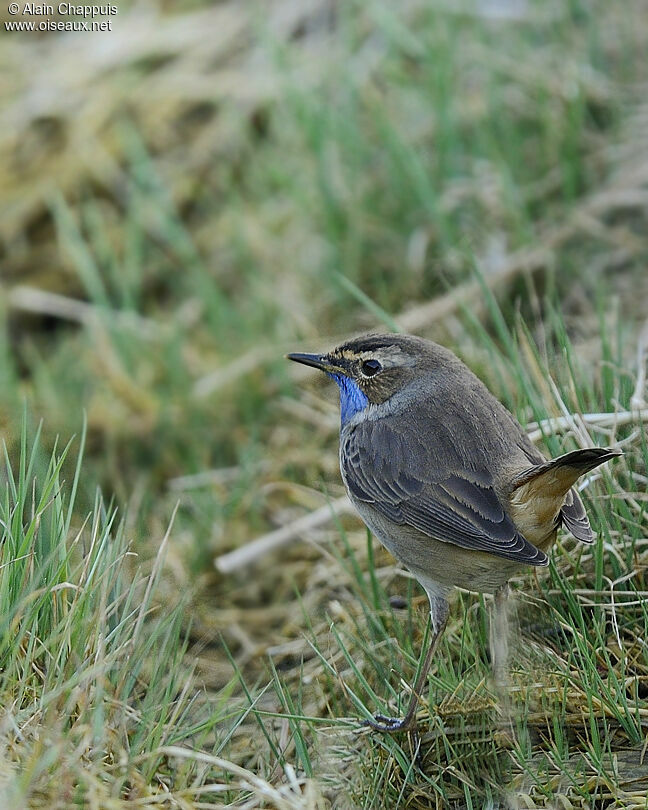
(371, 369)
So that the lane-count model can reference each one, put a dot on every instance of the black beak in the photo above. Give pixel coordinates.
(320, 361)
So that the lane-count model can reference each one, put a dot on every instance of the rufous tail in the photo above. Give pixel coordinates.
(557, 476)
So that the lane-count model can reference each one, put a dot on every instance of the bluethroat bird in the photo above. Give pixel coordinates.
(444, 476)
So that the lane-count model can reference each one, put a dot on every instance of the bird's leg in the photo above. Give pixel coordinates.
(500, 653)
(438, 620)
(500, 636)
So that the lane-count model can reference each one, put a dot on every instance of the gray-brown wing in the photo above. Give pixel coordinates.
(574, 518)
(425, 483)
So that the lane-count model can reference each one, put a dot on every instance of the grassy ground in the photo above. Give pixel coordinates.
(195, 206)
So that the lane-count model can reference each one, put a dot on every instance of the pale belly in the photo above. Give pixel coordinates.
(434, 561)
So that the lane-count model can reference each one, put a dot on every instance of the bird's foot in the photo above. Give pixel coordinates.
(395, 725)
(391, 725)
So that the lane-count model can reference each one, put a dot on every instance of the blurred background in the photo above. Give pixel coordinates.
(209, 185)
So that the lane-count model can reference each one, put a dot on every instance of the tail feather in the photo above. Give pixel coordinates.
(574, 518)
(542, 495)
(586, 460)
(559, 474)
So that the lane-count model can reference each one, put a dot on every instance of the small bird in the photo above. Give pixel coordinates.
(444, 475)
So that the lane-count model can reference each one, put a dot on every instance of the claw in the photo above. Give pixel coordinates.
(390, 725)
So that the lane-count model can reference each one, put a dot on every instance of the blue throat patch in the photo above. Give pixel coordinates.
(352, 398)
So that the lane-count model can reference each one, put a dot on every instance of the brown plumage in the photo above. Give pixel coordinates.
(443, 474)
(536, 492)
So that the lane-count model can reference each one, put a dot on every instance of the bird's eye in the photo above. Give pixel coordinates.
(371, 367)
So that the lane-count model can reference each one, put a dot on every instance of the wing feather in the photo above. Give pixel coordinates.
(425, 483)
